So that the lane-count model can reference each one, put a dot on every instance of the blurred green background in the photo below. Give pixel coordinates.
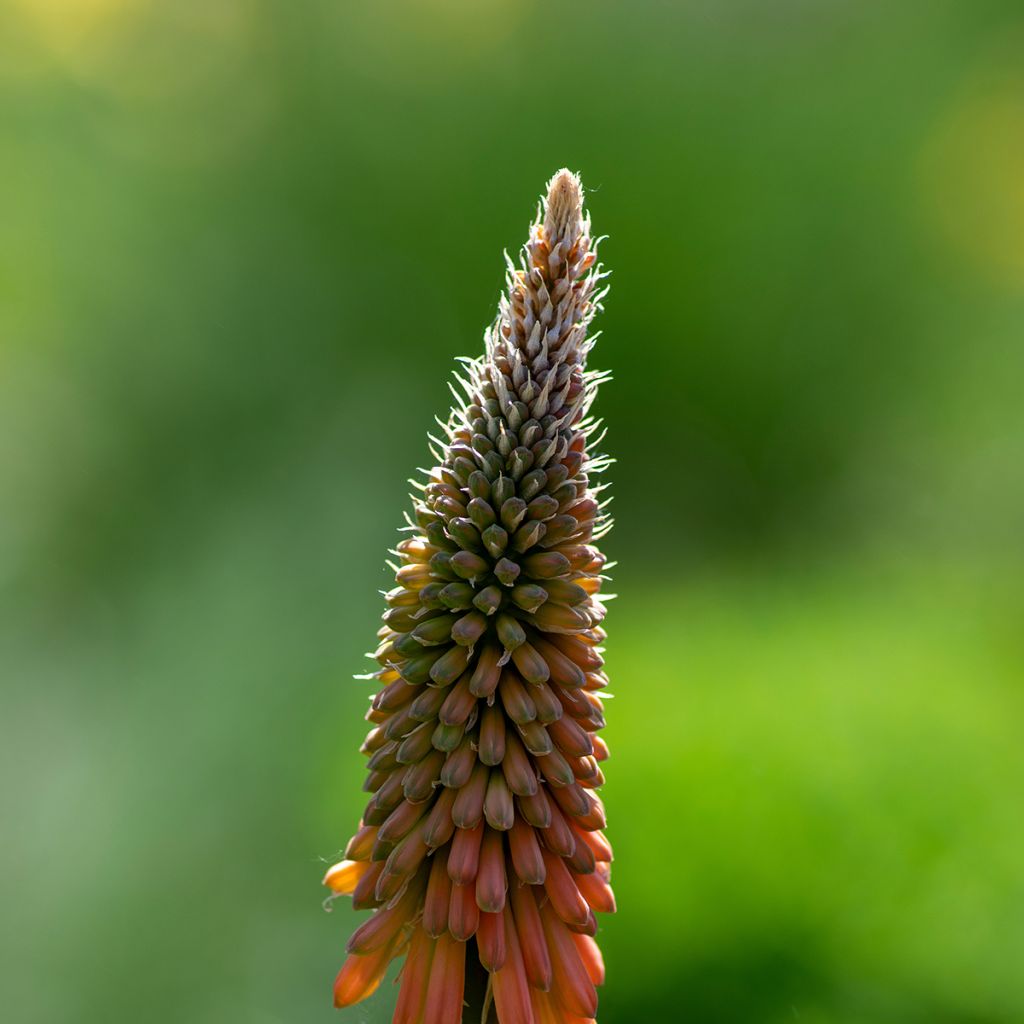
(241, 244)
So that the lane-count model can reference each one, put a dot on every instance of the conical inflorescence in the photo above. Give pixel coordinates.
(481, 848)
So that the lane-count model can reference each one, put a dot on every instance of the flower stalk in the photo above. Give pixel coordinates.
(481, 852)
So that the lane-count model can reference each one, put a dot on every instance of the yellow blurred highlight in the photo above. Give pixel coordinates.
(72, 26)
(973, 173)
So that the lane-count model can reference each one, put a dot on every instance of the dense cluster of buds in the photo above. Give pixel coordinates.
(481, 848)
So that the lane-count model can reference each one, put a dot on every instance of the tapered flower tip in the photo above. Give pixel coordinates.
(563, 207)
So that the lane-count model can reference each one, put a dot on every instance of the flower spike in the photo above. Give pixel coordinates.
(481, 852)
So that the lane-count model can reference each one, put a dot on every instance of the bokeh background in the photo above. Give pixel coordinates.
(241, 242)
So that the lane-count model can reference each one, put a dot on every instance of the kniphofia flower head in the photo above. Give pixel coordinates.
(481, 848)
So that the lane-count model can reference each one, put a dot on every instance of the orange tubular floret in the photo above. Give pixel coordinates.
(415, 978)
(360, 976)
(464, 855)
(590, 955)
(447, 981)
(342, 878)
(491, 883)
(463, 912)
(597, 892)
(527, 860)
(491, 941)
(387, 923)
(532, 943)
(511, 988)
(435, 903)
(545, 1008)
(561, 888)
(572, 985)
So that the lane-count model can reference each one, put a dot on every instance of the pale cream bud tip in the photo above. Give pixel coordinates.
(563, 208)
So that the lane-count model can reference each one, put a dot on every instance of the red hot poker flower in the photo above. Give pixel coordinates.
(481, 848)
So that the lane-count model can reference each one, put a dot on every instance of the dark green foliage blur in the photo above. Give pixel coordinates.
(241, 244)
